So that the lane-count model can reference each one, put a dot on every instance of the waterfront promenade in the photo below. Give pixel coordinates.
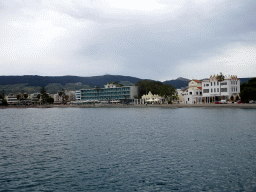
(242, 106)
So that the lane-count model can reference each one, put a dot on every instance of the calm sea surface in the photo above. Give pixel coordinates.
(127, 149)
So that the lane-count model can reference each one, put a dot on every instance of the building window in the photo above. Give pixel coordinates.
(188, 99)
(211, 90)
(214, 83)
(218, 90)
(224, 89)
(206, 91)
(214, 89)
(207, 85)
(224, 83)
(217, 83)
(190, 93)
(211, 83)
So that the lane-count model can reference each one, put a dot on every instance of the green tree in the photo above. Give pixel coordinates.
(220, 78)
(248, 90)
(147, 85)
(63, 96)
(164, 90)
(22, 94)
(50, 100)
(2, 97)
(25, 95)
(43, 94)
(167, 91)
(18, 96)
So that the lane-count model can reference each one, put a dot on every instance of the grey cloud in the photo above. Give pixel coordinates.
(152, 46)
(191, 37)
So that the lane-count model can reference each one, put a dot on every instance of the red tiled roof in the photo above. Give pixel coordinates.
(199, 88)
(195, 81)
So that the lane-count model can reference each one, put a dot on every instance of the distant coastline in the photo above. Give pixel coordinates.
(241, 106)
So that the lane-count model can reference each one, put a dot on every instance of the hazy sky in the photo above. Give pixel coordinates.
(154, 39)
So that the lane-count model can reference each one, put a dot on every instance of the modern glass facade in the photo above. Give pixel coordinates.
(111, 93)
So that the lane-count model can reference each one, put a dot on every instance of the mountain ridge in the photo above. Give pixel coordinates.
(40, 81)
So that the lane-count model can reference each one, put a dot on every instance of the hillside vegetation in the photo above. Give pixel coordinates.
(51, 88)
(53, 84)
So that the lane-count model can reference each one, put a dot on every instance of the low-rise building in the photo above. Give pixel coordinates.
(193, 94)
(12, 100)
(179, 94)
(78, 95)
(34, 98)
(71, 95)
(57, 98)
(151, 98)
(214, 90)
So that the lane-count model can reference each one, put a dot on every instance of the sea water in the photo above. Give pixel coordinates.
(128, 149)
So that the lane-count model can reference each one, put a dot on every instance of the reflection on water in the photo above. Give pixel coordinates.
(187, 149)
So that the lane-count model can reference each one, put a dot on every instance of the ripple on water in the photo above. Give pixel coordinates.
(127, 150)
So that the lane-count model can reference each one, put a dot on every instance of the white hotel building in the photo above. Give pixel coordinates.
(193, 94)
(229, 87)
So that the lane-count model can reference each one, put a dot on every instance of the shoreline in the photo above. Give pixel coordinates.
(240, 106)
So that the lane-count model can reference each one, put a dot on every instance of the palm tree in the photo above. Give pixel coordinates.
(43, 94)
(97, 88)
(220, 78)
(62, 95)
(25, 95)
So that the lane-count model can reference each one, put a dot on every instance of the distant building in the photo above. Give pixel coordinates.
(179, 94)
(71, 95)
(12, 100)
(193, 94)
(151, 98)
(25, 102)
(34, 98)
(57, 98)
(78, 95)
(109, 92)
(230, 87)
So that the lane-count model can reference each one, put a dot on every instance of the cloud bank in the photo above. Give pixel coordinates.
(154, 39)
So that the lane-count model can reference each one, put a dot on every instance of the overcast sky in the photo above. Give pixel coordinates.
(153, 39)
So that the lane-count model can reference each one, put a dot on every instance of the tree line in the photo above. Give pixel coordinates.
(42, 98)
(166, 91)
(248, 90)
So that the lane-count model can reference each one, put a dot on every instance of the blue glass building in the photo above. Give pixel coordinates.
(109, 92)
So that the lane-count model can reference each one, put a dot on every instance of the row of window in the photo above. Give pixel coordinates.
(104, 98)
(215, 83)
(234, 89)
(190, 93)
(233, 82)
(104, 94)
(215, 90)
(106, 90)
